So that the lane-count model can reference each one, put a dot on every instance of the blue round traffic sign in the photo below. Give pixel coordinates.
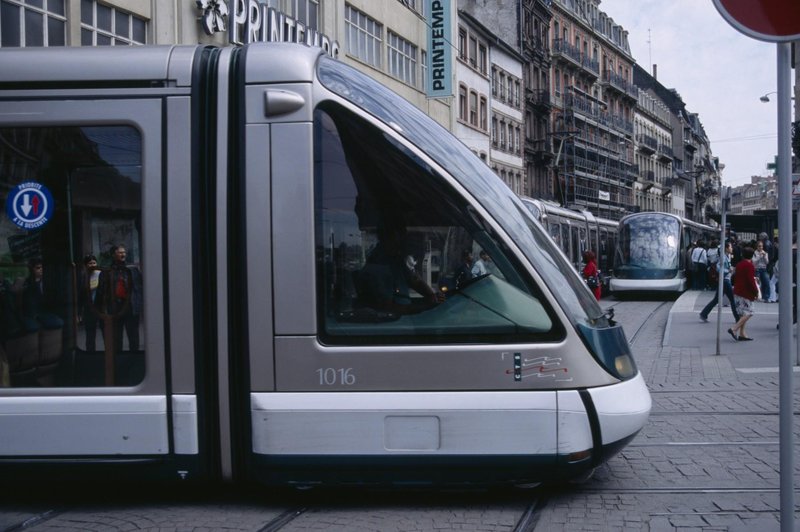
(29, 205)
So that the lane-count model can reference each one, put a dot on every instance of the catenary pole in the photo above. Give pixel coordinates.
(721, 259)
(785, 280)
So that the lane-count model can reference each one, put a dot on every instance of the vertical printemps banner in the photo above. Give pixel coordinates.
(440, 57)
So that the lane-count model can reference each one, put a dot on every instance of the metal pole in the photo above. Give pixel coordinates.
(785, 280)
(721, 261)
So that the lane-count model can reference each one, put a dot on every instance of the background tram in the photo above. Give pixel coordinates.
(576, 231)
(651, 252)
(291, 221)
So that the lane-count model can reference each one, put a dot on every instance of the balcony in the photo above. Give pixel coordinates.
(619, 83)
(539, 98)
(540, 150)
(665, 152)
(646, 143)
(564, 50)
(591, 65)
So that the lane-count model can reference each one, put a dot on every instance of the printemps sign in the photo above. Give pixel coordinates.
(249, 21)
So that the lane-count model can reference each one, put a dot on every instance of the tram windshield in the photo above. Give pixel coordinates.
(474, 175)
(647, 247)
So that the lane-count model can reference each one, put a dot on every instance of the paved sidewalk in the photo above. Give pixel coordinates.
(686, 329)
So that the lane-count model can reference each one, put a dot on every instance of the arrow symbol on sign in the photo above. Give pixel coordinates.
(26, 204)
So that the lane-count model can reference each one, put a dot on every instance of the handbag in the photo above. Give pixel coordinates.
(593, 282)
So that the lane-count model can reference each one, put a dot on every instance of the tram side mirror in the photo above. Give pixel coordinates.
(610, 316)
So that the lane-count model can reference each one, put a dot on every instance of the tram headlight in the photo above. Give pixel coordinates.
(625, 366)
(610, 348)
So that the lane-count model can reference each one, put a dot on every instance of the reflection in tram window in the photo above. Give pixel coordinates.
(648, 244)
(390, 239)
(92, 178)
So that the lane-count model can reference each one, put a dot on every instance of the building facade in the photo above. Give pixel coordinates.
(535, 47)
(544, 91)
(653, 156)
(508, 103)
(593, 106)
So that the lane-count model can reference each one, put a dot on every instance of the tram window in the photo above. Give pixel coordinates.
(584, 243)
(73, 192)
(390, 239)
(577, 246)
(555, 234)
(565, 242)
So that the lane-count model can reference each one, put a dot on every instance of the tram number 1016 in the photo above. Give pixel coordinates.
(334, 376)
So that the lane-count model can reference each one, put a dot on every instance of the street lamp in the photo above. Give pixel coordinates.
(765, 98)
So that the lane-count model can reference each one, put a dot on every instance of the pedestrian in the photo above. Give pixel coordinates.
(745, 291)
(760, 263)
(481, 266)
(772, 270)
(119, 296)
(727, 288)
(89, 281)
(700, 261)
(591, 274)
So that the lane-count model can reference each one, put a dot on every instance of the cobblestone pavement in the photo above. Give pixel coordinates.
(708, 460)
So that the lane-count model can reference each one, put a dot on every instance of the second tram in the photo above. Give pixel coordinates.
(651, 252)
(577, 231)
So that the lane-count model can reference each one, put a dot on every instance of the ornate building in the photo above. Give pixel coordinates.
(594, 101)
(539, 154)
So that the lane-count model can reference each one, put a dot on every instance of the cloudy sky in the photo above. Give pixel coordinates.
(719, 72)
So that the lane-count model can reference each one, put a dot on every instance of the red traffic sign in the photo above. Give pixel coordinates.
(765, 20)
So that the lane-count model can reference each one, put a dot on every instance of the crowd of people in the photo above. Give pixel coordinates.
(749, 271)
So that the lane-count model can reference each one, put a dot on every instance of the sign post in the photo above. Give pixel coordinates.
(778, 21)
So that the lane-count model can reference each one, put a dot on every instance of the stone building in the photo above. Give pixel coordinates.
(593, 106)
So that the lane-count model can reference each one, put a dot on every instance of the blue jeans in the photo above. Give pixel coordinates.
(727, 289)
(763, 279)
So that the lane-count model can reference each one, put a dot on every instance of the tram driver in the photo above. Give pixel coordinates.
(385, 281)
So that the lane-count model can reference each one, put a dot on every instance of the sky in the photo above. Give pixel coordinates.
(719, 72)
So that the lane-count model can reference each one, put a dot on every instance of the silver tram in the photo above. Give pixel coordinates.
(651, 254)
(278, 315)
(575, 231)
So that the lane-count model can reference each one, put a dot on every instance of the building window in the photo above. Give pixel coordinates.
(473, 51)
(363, 36)
(494, 131)
(462, 43)
(402, 59)
(424, 68)
(473, 108)
(103, 25)
(305, 11)
(482, 55)
(483, 113)
(494, 82)
(29, 23)
(462, 102)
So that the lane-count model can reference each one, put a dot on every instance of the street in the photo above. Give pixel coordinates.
(707, 460)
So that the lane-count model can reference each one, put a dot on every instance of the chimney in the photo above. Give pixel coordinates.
(655, 71)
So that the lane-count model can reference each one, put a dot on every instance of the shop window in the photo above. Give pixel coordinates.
(103, 25)
(32, 23)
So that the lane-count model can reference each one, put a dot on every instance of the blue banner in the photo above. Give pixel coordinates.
(440, 56)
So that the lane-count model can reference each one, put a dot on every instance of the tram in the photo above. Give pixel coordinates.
(576, 231)
(651, 252)
(234, 249)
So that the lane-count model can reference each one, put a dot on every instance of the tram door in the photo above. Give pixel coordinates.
(89, 309)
